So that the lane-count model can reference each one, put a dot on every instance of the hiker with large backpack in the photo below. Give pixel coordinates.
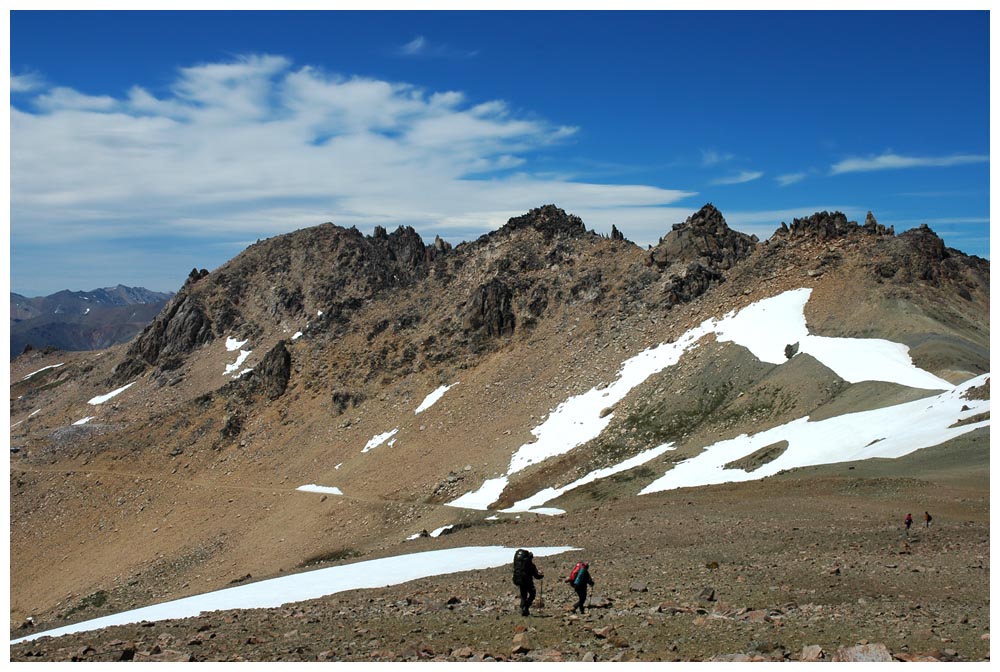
(525, 573)
(580, 578)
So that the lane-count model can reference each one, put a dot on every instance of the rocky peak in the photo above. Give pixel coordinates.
(829, 225)
(924, 240)
(403, 246)
(703, 238)
(549, 220)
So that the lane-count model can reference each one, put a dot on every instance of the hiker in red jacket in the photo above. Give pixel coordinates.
(580, 578)
(908, 521)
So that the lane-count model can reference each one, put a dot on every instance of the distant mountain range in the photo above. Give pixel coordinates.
(90, 320)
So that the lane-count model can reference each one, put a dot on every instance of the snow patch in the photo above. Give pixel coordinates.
(532, 504)
(44, 368)
(230, 368)
(317, 583)
(439, 531)
(325, 489)
(378, 440)
(104, 397)
(433, 398)
(232, 344)
(297, 335)
(84, 421)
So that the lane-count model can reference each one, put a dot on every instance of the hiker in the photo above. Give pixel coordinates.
(524, 574)
(908, 522)
(580, 578)
(927, 519)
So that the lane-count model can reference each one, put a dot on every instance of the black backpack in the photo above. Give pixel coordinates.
(520, 565)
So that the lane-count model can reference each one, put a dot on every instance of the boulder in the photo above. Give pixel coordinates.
(522, 643)
(812, 653)
(863, 653)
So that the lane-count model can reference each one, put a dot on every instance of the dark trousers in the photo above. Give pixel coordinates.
(527, 596)
(581, 593)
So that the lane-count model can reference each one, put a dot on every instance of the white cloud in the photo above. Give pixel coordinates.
(790, 178)
(62, 98)
(890, 161)
(25, 83)
(256, 147)
(744, 176)
(711, 157)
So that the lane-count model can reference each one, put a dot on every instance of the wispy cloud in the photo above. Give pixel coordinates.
(711, 157)
(415, 46)
(256, 146)
(744, 176)
(789, 178)
(26, 82)
(421, 46)
(890, 161)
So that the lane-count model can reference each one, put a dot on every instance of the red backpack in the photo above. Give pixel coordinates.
(576, 570)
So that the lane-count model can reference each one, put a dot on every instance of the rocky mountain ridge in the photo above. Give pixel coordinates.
(344, 334)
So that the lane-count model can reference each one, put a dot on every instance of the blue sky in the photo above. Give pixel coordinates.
(144, 144)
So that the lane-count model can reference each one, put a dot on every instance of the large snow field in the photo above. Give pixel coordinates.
(317, 583)
(764, 328)
(893, 431)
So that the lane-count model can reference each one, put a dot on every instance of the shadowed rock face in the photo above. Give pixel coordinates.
(275, 370)
(489, 312)
(181, 327)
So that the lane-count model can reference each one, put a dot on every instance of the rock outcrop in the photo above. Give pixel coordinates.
(489, 313)
(551, 221)
(696, 252)
(703, 238)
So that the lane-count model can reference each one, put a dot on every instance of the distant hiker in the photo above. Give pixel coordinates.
(525, 573)
(908, 522)
(927, 519)
(580, 578)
